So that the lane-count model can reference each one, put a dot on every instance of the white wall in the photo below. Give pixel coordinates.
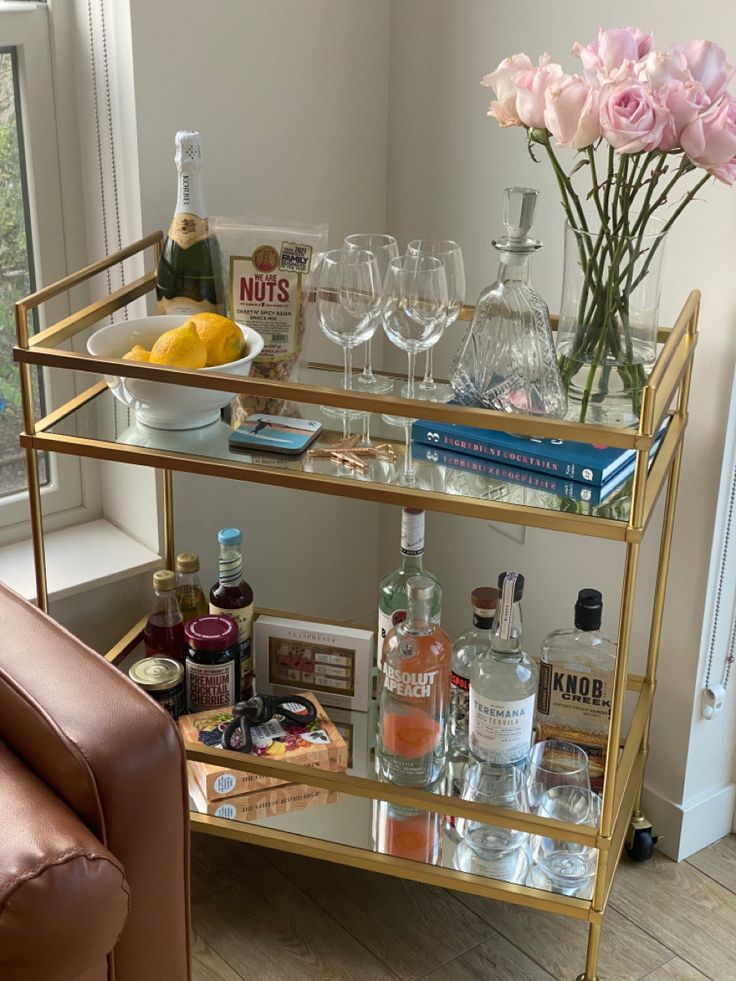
(291, 100)
(448, 166)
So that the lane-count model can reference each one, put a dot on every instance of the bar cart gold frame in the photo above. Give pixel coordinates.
(668, 383)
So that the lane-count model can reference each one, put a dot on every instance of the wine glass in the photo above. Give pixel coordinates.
(384, 248)
(565, 866)
(451, 255)
(348, 301)
(555, 763)
(503, 785)
(414, 307)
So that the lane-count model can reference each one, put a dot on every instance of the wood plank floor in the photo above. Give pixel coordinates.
(261, 915)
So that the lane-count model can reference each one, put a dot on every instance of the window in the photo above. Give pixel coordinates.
(32, 253)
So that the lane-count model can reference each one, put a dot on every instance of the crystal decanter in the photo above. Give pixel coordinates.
(507, 359)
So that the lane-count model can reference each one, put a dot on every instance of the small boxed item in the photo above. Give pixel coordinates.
(316, 744)
(260, 804)
(335, 663)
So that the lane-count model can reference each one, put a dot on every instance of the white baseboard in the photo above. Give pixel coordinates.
(688, 827)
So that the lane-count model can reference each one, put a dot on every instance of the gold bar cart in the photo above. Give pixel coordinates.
(667, 392)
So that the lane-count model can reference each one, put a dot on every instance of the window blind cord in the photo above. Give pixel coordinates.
(717, 606)
(93, 55)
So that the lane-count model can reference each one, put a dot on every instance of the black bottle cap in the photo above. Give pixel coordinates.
(519, 588)
(589, 609)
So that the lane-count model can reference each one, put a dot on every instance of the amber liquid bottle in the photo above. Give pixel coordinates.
(232, 596)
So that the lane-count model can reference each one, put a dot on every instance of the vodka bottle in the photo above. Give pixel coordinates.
(392, 604)
(185, 282)
(503, 685)
(414, 694)
(576, 683)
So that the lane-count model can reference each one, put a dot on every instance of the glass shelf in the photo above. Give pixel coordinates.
(337, 818)
(446, 481)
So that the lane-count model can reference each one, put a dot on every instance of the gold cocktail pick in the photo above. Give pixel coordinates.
(348, 453)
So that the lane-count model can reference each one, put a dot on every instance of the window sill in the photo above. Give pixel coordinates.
(77, 559)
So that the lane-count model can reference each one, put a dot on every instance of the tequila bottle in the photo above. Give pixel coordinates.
(414, 694)
(576, 683)
(392, 605)
(503, 685)
(507, 359)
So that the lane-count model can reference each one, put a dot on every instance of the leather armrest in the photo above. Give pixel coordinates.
(63, 896)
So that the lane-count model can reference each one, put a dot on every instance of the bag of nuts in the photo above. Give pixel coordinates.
(265, 277)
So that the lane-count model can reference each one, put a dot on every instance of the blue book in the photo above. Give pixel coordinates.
(582, 462)
(535, 480)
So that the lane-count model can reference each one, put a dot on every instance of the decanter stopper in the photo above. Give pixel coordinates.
(518, 215)
(507, 359)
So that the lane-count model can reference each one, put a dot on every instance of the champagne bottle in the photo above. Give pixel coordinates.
(186, 282)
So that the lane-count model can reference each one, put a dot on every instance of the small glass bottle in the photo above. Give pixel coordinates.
(503, 685)
(414, 694)
(507, 359)
(189, 592)
(232, 596)
(163, 635)
(466, 649)
(576, 684)
(392, 605)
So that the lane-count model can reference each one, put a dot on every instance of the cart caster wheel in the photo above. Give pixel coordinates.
(640, 841)
(583, 977)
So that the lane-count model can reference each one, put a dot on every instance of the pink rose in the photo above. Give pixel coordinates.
(707, 63)
(531, 86)
(613, 46)
(631, 118)
(685, 101)
(503, 108)
(571, 111)
(710, 139)
(726, 173)
(659, 68)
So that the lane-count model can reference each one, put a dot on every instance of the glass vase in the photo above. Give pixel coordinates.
(607, 335)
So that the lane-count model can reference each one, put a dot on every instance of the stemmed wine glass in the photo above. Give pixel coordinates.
(348, 302)
(451, 255)
(413, 309)
(384, 248)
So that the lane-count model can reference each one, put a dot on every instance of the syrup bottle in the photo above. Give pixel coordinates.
(232, 596)
(163, 635)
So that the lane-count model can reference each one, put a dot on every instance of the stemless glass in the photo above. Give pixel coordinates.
(414, 306)
(348, 301)
(555, 763)
(451, 255)
(503, 785)
(384, 248)
(565, 866)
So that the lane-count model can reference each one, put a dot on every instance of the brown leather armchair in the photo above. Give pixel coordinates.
(94, 835)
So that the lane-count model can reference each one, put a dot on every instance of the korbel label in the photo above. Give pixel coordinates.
(187, 229)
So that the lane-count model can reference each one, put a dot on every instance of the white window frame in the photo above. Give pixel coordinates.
(25, 27)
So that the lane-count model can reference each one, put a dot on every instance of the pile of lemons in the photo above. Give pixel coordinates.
(203, 341)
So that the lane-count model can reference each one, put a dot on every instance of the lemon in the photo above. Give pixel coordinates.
(180, 347)
(137, 353)
(222, 337)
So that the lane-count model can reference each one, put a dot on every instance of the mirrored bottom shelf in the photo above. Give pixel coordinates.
(337, 818)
